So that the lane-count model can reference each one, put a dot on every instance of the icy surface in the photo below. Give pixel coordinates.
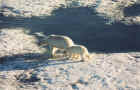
(117, 71)
(104, 72)
(25, 66)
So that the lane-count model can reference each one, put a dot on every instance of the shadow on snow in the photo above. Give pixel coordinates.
(83, 24)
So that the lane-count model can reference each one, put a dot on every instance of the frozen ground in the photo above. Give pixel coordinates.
(25, 67)
(109, 31)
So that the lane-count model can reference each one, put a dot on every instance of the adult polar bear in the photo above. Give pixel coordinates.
(57, 41)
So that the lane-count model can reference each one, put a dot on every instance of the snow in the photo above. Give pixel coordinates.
(104, 72)
(24, 64)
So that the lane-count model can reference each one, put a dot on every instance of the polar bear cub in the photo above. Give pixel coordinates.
(78, 52)
(57, 41)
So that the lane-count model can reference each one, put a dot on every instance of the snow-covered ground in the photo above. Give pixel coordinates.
(27, 8)
(24, 64)
(22, 70)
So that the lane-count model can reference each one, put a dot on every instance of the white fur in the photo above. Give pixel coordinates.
(57, 41)
(79, 52)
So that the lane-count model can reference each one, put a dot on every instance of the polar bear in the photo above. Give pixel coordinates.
(78, 52)
(55, 42)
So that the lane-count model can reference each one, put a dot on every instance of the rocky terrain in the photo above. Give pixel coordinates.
(108, 28)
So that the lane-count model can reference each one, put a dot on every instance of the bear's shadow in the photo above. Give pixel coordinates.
(29, 61)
